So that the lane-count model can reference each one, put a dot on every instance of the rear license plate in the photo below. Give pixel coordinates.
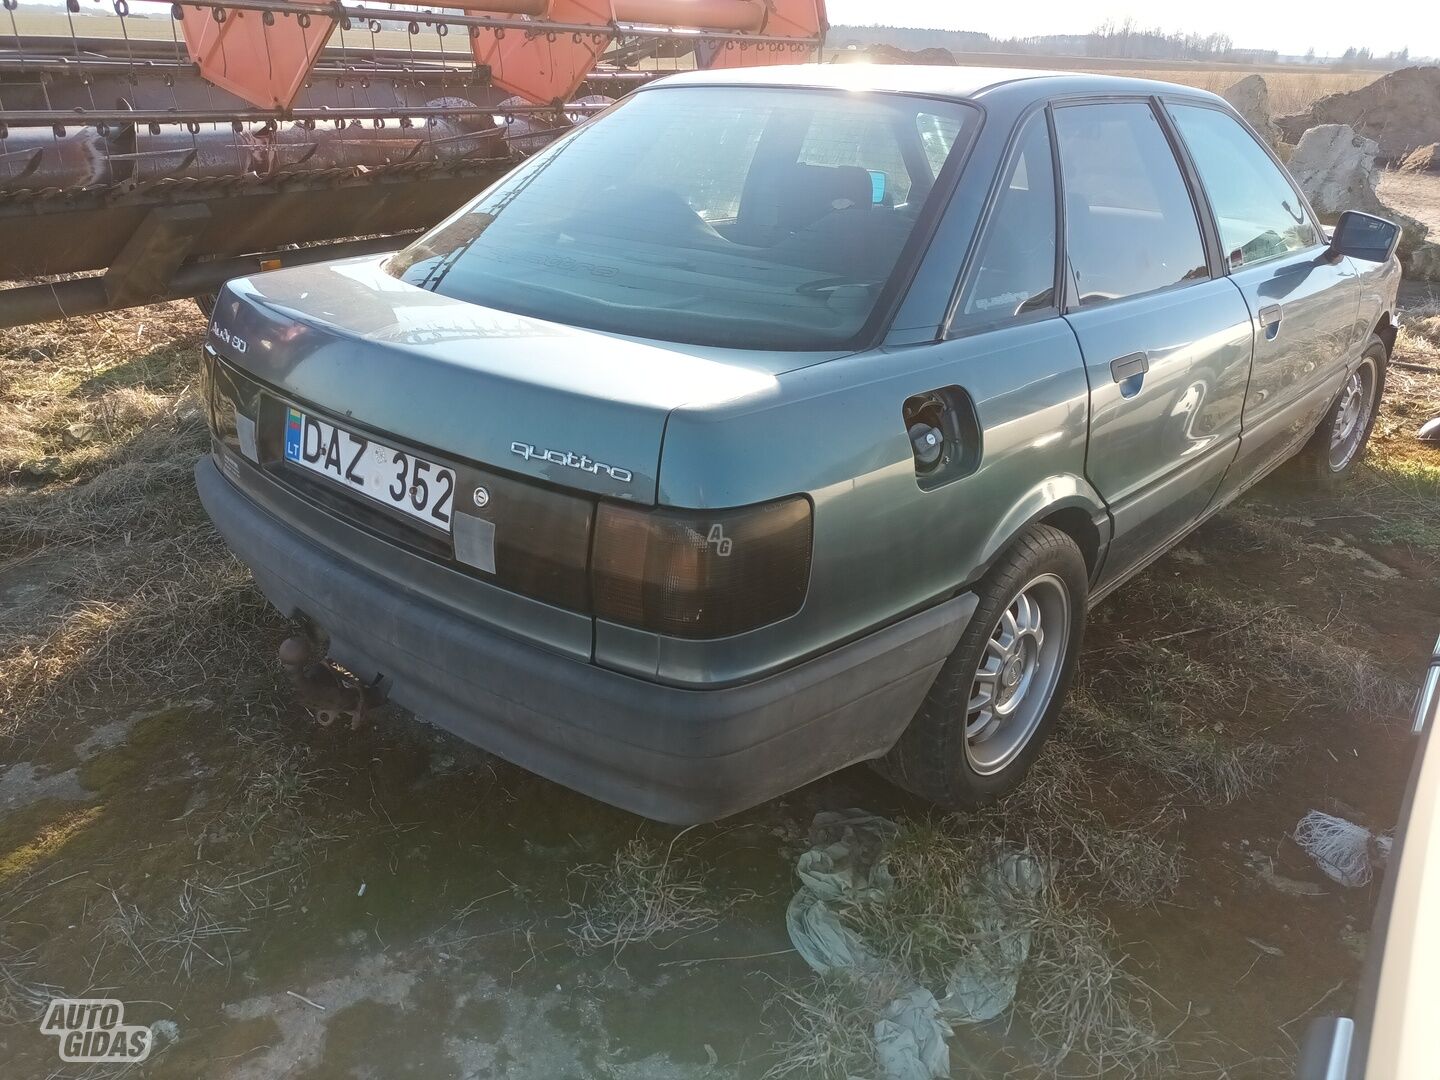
(393, 478)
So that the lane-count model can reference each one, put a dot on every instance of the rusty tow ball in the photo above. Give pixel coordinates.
(325, 688)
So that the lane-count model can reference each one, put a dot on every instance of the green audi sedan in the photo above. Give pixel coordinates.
(782, 419)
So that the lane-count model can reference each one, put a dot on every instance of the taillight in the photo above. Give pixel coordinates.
(699, 573)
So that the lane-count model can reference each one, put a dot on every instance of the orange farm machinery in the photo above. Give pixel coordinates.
(150, 151)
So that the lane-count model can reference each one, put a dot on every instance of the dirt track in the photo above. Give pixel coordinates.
(1416, 194)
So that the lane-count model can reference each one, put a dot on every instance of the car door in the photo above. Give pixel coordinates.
(1303, 301)
(1166, 340)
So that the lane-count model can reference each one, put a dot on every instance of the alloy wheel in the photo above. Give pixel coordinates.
(1352, 418)
(1018, 672)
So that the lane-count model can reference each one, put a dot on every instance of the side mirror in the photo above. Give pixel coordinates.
(1364, 236)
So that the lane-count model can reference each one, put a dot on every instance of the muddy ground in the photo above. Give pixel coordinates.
(281, 899)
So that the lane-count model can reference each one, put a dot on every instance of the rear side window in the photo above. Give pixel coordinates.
(1259, 215)
(1014, 267)
(1130, 223)
(761, 218)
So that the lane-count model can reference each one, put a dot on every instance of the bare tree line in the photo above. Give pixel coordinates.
(1112, 39)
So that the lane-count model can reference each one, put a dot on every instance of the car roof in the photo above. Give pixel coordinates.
(959, 82)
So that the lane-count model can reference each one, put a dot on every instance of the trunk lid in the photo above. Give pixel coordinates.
(577, 408)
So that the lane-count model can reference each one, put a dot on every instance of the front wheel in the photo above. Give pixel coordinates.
(1340, 439)
(996, 699)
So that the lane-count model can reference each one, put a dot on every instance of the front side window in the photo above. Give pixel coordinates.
(1129, 221)
(1014, 267)
(1257, 210)
(742, 217)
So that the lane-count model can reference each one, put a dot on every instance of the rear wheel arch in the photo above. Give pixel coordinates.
(1066, 502)
(1314, 462)
(977, 732)
(1386, 330)
(1078, 524)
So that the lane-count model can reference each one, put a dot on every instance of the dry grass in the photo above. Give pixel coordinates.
(824, 1029)
(930, 921)
(23, 1000)
(1082, 1003)
(1056, 815)
(1420, 331)
(646, 892)
(249, 856)
(1150, 700)
(1255, 643)
(276, 784)
(24, 995)
(1412, 386)
(1196, 762)
(1146, 703)
(100, 425)
(182, 939)
(1085, 1014)
(1290, 91)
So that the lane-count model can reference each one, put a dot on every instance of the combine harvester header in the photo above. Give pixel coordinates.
(174, 146)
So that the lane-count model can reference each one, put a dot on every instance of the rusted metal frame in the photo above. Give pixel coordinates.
(27, 304)
(92, 117)
(175, 87)
(530, 27)
(161, 189)
(160, 49)
(164, 49)
(60, 230)
(142, 272)
(64, 66)
(159, 68)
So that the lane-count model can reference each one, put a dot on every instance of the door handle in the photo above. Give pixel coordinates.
(1270, 320)
(1127, 367)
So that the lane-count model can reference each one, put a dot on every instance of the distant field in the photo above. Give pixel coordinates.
(1292, 88)
(1291, 91)
(147, 21)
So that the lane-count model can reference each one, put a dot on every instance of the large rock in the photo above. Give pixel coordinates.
(1426, 159)
(1400, 111)
(1423, 262)
(1336, 169)
(1251, 98)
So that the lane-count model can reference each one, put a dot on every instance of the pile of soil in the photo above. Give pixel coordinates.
(889, 54)
(1400, 111)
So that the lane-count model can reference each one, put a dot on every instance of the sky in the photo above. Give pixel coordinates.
(1327, 25)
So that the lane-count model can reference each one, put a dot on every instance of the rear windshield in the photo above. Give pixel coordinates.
(744, 217)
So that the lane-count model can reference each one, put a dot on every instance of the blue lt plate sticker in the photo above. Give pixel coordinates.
(293, 421)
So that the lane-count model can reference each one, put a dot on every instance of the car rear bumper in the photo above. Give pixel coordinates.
(668, 753)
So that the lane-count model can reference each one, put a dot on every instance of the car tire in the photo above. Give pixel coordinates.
(962, 751)
(1340, 438)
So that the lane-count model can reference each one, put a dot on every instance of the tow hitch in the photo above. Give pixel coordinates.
(326, 688)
